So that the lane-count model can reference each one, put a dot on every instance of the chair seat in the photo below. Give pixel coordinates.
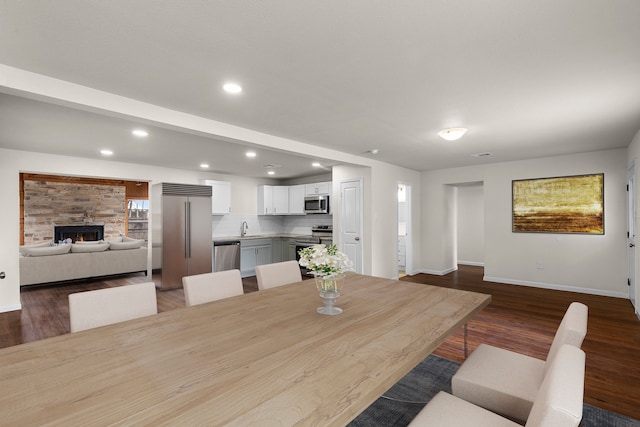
(499, 380)
(450, 411)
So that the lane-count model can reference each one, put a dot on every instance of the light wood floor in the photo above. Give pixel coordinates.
(519, 318)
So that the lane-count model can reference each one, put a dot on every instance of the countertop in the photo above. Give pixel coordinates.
(259, 236)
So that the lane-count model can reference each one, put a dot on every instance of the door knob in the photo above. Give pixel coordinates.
(356, 238)
(632, 245)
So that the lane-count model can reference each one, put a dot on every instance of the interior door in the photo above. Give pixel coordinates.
(351, 221)
(631, 234)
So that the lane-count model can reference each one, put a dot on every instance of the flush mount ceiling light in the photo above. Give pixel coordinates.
(485, 154)
(106, 152)
(250, 154)
(140, 133)
(316, 164)
(373, 151)
(233, 88)
(452, 134)
(271, 172)
(204, 165)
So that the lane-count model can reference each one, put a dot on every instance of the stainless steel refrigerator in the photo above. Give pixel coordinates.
(181, 231)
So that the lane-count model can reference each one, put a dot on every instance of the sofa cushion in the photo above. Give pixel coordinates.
(46, 250)
(89, 242)
(98, 247)
(37, 245)
(132, 244)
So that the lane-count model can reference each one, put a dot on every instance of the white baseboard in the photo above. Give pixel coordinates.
(437, 272)
(8, 308)
(556, 287)
(477, 264)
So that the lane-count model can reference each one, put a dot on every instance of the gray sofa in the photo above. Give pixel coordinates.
(80, 265)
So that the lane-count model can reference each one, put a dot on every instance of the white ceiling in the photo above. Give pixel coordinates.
(528, 78)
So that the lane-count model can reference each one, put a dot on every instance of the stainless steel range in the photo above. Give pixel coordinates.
(320, 234)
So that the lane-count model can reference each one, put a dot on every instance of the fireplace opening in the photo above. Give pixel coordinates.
(78, 233)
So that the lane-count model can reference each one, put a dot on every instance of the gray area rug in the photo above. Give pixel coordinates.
(433, 375)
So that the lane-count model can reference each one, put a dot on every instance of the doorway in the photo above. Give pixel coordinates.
(405, 254)
(631, 234)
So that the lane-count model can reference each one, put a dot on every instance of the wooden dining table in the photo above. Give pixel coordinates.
(261, 359)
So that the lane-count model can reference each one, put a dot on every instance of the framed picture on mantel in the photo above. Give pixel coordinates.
(569, 204)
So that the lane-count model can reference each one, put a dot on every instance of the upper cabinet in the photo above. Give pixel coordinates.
(288, 200)
(318, 188)
(221, 197)
(273, 200)
(296, 199)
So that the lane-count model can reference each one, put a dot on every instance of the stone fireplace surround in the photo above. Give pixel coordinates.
(49, 203)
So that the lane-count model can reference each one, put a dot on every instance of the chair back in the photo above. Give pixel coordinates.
(101, 307)
(201, 288)
(560, 398)
(278, 274)
(572, 330)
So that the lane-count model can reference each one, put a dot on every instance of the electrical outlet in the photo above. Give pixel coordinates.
(539, 266)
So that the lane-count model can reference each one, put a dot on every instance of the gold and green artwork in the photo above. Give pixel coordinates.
(570, 204)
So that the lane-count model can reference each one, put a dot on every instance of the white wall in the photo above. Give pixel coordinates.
(380, 214)
(470, 224)
(582, 263)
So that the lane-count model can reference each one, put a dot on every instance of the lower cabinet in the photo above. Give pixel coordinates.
(254, 252)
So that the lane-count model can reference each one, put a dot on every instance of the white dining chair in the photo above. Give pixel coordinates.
(101, 307)
(201, 288)
(558, 403)
(278, 274)
(507, 382)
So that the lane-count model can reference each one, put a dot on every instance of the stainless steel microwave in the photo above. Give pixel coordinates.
(316, 204)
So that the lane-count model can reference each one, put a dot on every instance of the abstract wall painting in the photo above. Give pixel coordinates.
(569, 204)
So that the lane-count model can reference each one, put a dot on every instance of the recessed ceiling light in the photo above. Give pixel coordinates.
(141, 133)
(452, 134)
(250, 154)
(204, 165)
(106, 152)
(316, 164)
(485, 154)
(373, 151)
(271, 172)
(232, 88)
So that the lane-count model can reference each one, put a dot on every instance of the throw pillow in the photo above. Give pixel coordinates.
(98, 247)
(116, 246)
(49, 250)
(37, 245)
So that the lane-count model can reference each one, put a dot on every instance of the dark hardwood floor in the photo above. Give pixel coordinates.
(519, 318)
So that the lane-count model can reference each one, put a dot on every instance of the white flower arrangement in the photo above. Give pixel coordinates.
(325, 261)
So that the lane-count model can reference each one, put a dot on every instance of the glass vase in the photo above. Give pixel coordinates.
(329, 289)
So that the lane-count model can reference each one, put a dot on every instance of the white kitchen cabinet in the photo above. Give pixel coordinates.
(220, 196)
(318, 188)
(273, 200)
(265, 200)
(254, 252)
(281, 200)
(296, 199)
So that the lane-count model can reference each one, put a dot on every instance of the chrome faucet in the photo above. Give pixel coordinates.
(244, 228)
